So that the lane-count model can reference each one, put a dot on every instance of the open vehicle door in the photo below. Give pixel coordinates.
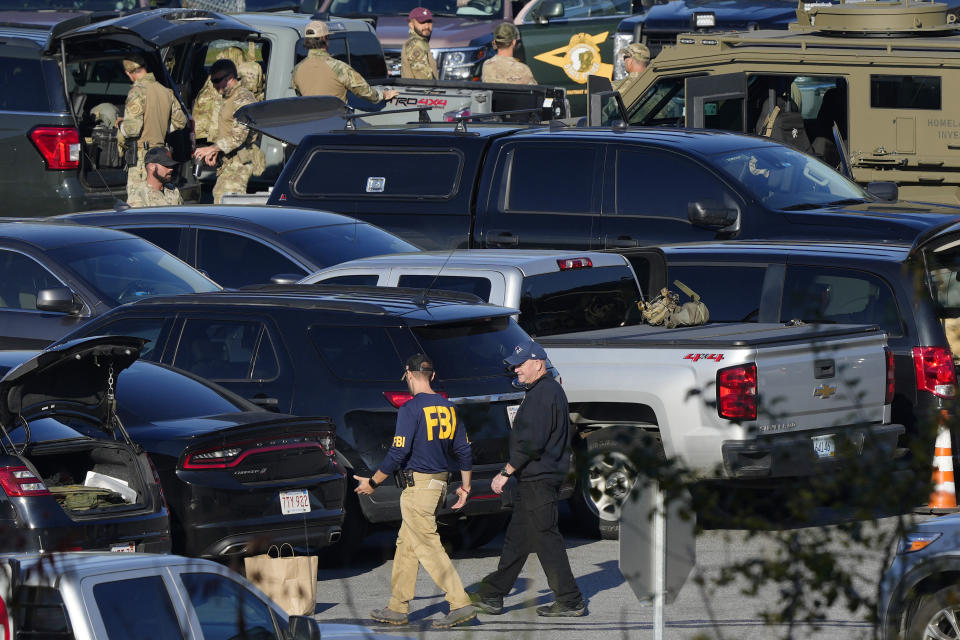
(717, 102)
(604, 105)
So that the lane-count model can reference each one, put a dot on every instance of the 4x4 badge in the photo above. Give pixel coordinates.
(580, 58)
(824, 391)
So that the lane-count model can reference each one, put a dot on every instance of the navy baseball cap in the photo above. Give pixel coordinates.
(530, 350)
(418, 362)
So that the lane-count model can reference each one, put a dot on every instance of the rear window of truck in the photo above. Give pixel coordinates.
(473, 349)
(380, 173)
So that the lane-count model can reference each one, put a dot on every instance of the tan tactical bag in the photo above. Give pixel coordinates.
(665, 310)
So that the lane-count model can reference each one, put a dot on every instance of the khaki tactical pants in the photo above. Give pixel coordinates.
(419, 544)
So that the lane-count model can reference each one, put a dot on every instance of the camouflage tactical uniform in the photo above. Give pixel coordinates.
(206, 106)
(320, 74)
(238, 149)
(506, 70)
(150, 112)
(143, 195)
(416, 61)
(626, 82)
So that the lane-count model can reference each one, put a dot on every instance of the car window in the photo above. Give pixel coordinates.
(40, 613)
(472, 349)
(221, 349)
(234, 261)
(841, 296)
(477, 285)
(130, 269)
(130, 607)
(23, 77)
(573, 9)
(21, 277)
(662, 104)
(905, 92)
(226, 610)
(365, 279)
(550, 178)
(166, 238)
(577, 300)
(338, 243)
(943, 267)
(734, 297)
(662, 184)
(150, 329)
(358, 353)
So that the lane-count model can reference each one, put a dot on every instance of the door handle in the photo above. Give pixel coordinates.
(621, 241)
(504, 237)
(823, 369)
(264, 401)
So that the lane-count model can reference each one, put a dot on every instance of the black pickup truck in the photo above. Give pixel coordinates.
(555, 186)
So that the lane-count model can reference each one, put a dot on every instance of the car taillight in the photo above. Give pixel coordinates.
(59, 146)
(20, 482)
(231, 454)
(891, 379)
(574, 263)
(737, 392)
(400, 398)
(935, 372)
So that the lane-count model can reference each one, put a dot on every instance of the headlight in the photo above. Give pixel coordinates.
(916, 541)
(620, 41)
(458, 64)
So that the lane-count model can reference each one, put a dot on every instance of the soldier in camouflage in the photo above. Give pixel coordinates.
(149, 113)
(320, 74)
(416, 61)
(156, 190)
(234, 144)
(206, 105)
(636, 56)
(503, 67)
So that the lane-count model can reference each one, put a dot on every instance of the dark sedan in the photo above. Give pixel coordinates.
(54, 277)
(243, 245)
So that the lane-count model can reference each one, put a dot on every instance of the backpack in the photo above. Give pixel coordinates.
(666, 310)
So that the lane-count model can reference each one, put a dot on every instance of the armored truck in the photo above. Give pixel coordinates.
(871, 82)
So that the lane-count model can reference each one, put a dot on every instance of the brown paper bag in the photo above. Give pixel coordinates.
(290, 581)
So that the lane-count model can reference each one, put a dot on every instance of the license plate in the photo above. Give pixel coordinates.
(294, 502)
(824, 446)
(512, 413)
(127, 547)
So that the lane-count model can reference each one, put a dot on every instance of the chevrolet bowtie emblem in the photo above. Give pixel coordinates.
(824, 391)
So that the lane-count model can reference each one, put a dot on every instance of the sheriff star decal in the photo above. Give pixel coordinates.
(580, 58)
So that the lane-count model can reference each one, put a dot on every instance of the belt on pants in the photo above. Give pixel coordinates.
(425, 478)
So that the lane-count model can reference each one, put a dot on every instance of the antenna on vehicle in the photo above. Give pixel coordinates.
(422, 302)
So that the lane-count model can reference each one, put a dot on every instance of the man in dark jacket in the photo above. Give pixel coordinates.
(539, 458)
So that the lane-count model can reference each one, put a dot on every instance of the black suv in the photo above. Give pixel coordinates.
(57, 157)
(339, 352)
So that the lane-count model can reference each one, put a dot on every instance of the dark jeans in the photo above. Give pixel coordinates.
(533, 528)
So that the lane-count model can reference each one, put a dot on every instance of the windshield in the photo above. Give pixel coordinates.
(489, 9)
(335, 244)
(783, 178)
(121, 271)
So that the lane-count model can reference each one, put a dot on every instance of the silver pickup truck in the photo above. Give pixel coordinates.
(740, 401)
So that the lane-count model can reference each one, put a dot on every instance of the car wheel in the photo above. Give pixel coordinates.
(937, 616)
(606, 472)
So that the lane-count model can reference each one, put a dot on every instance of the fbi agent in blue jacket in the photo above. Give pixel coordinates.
(427, 438)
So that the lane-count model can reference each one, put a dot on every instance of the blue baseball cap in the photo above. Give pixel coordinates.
(530, 350)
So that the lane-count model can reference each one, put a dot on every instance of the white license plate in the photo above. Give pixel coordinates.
(128, 547)
(294, 502)
(824, 446)
(512, 413)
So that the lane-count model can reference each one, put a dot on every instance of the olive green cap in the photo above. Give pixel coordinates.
(638, 51)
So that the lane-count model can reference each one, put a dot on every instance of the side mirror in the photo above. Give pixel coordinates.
(711, 214)
(57, 300)
(285, 278)
(884, 190)
(547, 10)
(303, 628)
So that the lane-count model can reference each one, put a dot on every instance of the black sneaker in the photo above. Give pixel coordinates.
(490, 605)
(557, 610)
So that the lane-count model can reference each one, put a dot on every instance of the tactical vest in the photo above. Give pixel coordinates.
(158, 105)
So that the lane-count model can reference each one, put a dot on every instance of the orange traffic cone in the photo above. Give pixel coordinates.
(944, 496)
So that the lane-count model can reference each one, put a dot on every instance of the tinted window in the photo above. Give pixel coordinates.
(662, 184)
(586, 8)
(132, 608)
(165, 238)
(226, 349)
(732, 297)
(943, 265)
(725, 114)
(125, 270)
(474, 349)
(23, 80)
(556, 178)
(149, 329)
(358, 353)
(361, 51)
(21, 278)
(476, 285)
(842, 296)
(905, 92)
(577, 300)
(366, 279)
(226, 610)
(663, 103)
(372, 173)
(151, 392)
(331, 245)
(40, 613)
(236, 261)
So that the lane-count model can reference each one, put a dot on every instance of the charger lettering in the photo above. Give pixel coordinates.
(444, 419)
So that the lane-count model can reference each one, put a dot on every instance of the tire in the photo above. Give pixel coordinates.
(606, 472)
(936, 616)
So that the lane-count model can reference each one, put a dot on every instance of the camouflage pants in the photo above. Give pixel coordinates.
(136, 175)
(231, 178)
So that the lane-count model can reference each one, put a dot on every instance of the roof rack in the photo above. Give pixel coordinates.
(461, 120)
(350, 117)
